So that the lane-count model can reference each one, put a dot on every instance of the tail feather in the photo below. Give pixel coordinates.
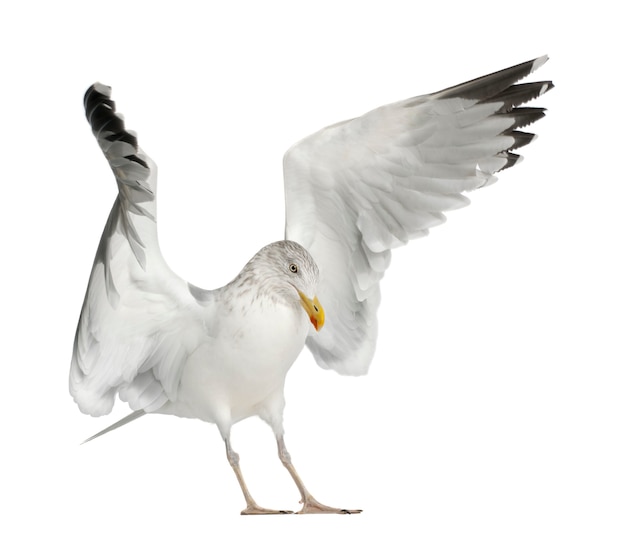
(132, 416)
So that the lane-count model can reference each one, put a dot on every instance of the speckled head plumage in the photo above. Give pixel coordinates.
(283, 271)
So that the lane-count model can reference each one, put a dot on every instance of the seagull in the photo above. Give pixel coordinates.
(353, 192)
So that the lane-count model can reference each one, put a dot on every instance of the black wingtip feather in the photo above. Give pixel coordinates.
(521, 138)
(519, 94)
(511, 159)
(100, 112)
(501, 87)
(486, 87)
(136, 159)
(524, 116)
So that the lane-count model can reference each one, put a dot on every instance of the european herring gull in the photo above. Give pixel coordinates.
(354, 191)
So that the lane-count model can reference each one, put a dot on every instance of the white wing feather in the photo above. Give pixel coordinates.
(139, 321)
(358, 189)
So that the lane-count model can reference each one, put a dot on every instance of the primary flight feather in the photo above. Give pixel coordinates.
(354, 191)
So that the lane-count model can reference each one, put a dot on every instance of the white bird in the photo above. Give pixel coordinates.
(354, 191)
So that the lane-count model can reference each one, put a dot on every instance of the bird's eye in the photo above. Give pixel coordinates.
(293, 267)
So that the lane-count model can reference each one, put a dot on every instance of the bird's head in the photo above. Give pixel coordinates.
(287, 271)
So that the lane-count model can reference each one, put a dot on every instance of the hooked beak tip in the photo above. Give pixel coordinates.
(314, 309)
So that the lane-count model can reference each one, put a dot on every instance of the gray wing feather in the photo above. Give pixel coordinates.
(139, 321)
(358, 189)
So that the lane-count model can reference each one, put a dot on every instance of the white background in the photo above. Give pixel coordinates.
(496, 399)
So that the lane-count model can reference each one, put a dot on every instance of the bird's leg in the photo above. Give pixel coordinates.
(252, 508)
(309, 504)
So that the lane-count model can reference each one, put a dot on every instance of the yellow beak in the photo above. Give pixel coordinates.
(314, 309)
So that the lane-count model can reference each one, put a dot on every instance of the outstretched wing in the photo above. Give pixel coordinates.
(139, 321)
(359, 188)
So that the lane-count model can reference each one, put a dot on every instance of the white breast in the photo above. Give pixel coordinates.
(244, 362)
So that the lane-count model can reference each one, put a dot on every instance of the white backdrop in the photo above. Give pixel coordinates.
(496, 399)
